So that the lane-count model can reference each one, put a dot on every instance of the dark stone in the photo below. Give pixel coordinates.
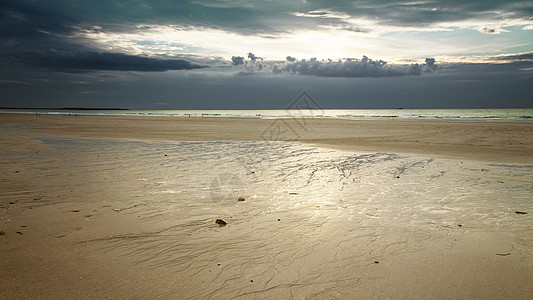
(220, 222)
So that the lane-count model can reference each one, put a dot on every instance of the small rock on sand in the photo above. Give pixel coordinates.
(220, 222)
(2, 233)
(240, 199)
(520, 212)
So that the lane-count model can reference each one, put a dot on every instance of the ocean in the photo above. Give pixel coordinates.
(521, 114)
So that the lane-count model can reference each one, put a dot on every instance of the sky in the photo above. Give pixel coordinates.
(237, 54)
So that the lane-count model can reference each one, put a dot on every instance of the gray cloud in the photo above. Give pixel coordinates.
(430, 63)
(252, 57)
(350, 67)
(521, 57)
(487, 30)
(237, 60)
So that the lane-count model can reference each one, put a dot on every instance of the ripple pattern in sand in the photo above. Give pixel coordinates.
(314, 221)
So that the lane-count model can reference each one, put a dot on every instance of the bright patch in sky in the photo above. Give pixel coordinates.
(391, 43)
(394, 31)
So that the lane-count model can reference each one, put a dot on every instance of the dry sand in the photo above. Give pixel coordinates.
(118, 207)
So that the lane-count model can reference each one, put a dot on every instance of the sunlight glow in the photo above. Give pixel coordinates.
(351, 38)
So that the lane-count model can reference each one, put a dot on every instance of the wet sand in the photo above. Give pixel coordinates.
(479, 140)
(122, 207)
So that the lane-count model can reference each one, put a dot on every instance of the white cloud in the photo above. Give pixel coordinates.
(322, 13)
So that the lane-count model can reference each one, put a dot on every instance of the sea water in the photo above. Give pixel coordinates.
(523, 114)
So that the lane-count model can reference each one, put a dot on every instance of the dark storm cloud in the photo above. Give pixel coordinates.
(24, 26)
(42, 36)
(90, 60)
(20, 19)
(256, 17)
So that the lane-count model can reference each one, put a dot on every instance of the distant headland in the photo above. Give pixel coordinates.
(67, 108)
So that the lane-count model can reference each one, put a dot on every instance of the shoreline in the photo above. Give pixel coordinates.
(488, 114)
(493, 141)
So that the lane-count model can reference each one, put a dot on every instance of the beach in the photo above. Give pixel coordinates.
(125, 207)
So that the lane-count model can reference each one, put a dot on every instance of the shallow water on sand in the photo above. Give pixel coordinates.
(314, 221)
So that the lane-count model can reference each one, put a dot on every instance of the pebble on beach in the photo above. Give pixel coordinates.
(241, 199)
(220, 222)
